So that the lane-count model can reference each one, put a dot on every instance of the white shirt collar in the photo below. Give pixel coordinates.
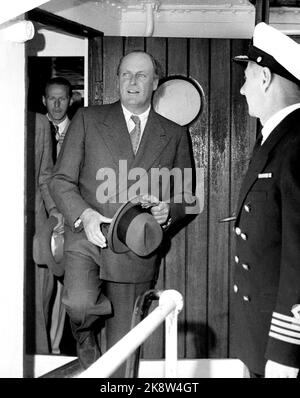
(143, 117)
(274, 120)
(62, 125)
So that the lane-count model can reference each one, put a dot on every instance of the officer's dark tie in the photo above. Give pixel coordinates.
(135, 134)
(54, 131)
(257, 144)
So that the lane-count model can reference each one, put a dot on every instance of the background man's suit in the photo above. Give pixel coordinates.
(267, 269)
(97, 139)
(44, 279)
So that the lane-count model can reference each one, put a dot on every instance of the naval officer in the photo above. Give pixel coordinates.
(266, 304)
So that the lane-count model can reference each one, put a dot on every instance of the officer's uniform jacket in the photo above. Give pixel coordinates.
(267, 261)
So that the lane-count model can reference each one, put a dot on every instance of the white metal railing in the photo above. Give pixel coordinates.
(169, 305)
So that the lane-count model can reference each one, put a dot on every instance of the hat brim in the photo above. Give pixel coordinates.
(112, 237)
(42, 252)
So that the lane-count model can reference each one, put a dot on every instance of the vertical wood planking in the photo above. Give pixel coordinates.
(157, 46)
(134, 43)
(197, 256)
(243, 129)
(112, 52)
(175, 259)
(219, 199)
(95, 73)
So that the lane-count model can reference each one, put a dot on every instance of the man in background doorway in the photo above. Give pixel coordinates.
(57, 99)
(51, 313)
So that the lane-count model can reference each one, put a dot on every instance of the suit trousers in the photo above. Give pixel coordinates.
(122, 297)
(44, 284)
(90, 301)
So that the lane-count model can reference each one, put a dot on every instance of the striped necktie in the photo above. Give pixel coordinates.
(135, 134)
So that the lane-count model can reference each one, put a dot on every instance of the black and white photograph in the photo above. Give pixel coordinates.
(150, 202)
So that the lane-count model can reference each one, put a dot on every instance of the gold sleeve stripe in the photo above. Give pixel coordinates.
(286, 318)
(285, 325)
(285, 332)
(284, 338)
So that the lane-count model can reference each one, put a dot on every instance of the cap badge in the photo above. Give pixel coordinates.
(258, 59)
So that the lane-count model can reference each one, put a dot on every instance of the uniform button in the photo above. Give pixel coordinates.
(236, 259)
(244, 236)
(246, 298)
(238, 231)
(247, 208)
(246, 267)
(235, 288)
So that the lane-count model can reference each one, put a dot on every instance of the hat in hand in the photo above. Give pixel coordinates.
(134, 228)
(275, 50)
(48, 247)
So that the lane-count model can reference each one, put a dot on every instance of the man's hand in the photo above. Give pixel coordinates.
(276, 370)
(92, 220)
(59, 227)
(159, 210)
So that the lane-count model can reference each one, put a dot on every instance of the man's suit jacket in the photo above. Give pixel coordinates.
(96, 141)
(267, 260)
(43, 169)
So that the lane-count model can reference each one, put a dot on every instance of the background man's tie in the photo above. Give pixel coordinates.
(54, 133)
(135, 134)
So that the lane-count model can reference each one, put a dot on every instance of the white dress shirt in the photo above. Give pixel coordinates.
(274, 120)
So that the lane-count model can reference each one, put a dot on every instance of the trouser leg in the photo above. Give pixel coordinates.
(44, 284)
(85, 303)
(57, 319)
(123, 297)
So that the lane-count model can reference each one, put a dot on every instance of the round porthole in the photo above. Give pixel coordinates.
(179, 99)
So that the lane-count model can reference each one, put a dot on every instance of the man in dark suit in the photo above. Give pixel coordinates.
(266, 303)
(104, 138)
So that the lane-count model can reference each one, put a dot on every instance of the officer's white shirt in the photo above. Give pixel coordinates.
(274, 120)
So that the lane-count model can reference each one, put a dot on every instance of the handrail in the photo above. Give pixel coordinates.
(170, 304)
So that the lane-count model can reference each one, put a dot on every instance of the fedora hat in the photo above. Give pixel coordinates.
(134, 228)
(48, 247)
(271, 48)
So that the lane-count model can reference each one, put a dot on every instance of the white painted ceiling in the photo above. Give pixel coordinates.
(172, 18)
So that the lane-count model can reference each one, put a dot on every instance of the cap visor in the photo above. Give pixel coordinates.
(241, 58)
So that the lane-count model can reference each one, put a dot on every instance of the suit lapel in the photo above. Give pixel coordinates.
(115, 135)
(260, 158)
(153, 142)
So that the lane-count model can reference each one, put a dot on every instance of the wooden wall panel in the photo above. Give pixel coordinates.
(157, 46)
(112, 52)
(198, 260)
(175, 259)
(95, 84)
(134, 43)
(197, 253)
(218, 198)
